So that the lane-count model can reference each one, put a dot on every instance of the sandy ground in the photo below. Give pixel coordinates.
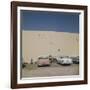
(43, 43)
(53, 70)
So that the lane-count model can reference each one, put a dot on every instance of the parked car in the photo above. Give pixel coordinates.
(64, 61)
(52, 59)
(75, 60)
(24, 64)
(43, 62)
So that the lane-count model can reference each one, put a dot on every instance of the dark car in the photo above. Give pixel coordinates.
(75, 60)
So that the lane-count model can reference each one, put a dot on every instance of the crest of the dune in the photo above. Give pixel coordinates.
(44, 43)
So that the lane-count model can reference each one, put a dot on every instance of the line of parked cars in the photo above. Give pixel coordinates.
(65, 60)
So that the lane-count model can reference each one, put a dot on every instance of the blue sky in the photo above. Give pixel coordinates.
(49, 21)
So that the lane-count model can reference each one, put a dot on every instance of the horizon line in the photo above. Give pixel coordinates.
(47, 30)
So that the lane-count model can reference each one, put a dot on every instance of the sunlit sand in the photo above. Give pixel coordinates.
(44, 43)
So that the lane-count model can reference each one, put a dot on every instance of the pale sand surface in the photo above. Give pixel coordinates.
(53, 70)
(44, 43)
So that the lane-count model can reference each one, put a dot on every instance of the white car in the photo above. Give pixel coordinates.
(64, 61)
(43, 62)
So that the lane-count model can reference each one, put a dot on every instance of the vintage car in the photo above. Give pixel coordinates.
(43, 62)
(64, 61)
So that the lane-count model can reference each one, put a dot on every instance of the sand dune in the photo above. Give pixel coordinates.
(44, 43)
